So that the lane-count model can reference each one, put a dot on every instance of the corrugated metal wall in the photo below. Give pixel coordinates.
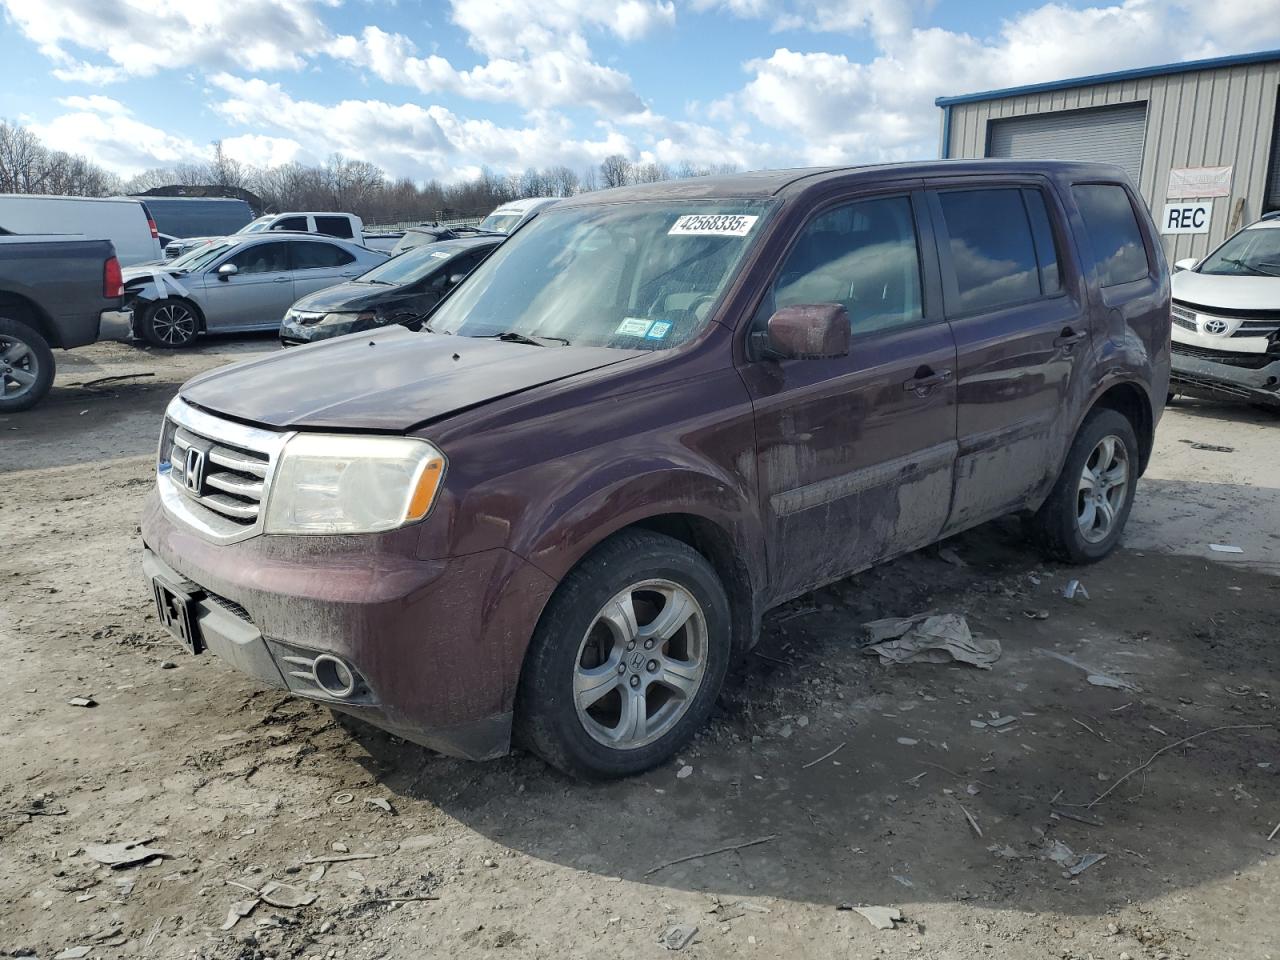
(1207, 118)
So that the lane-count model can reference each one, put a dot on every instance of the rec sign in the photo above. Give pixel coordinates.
(1187, 217)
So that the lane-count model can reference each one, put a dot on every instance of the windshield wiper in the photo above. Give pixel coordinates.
(512, 336)
(1237, 262)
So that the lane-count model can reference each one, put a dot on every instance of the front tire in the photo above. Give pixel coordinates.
(26, 366)
(170, 324)
(628, 658)
(1084, 516)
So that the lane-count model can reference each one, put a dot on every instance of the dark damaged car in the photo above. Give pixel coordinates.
(401, 290)
(560, 510)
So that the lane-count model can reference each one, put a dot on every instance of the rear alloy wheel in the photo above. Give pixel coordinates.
(1084, 515)
(627, 660)
(171, 324)
(26, 366)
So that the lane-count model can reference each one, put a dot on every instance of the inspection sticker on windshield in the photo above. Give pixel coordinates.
(633, 327)
(712, 225)
(659, 330)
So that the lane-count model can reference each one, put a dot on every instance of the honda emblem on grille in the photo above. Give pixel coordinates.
(1215, 326)
(193, 470)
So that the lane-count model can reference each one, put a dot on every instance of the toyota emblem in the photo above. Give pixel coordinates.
(1215, 326)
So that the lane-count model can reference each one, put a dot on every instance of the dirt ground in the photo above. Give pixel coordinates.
(864, 784)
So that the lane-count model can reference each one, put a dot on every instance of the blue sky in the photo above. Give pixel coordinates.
(441, 88)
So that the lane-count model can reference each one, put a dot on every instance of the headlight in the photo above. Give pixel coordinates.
(357, 321)
(344, 484)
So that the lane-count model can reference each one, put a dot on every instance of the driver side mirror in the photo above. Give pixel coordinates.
(809, 331)
(1188, 264)
(227, 270)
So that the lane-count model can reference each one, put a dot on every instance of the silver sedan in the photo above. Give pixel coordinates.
(237, 284)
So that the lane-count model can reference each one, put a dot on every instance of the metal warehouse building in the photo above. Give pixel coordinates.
(1200, 139)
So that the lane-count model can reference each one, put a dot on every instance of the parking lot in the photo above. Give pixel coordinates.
(824, 780)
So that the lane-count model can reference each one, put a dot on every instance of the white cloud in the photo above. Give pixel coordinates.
(838, 110)
(407, 139)
(262, 151)
(107, 133)
(140, 37)
(510, 28)
(553, 78)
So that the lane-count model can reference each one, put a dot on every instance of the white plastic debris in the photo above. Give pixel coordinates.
(882, 918)
(1224, 548)
(930, 638)
(1075, 589)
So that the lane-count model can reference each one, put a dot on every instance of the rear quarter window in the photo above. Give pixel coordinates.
(1113, 232)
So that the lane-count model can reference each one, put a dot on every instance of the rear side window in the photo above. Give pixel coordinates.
(334, 226)
(1046, 246)
(863, 256)
(992, 251)
(1113, 232)
(312, 256)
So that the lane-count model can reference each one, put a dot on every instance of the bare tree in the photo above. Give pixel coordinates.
(615, 170)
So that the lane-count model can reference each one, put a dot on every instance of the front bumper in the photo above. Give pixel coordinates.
(436, 645)
(1212, 377)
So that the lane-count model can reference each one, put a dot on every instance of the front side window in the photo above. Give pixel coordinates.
(860, 255)
(291, 223)
(1113, 232)
(1254, 252)
(315, 256)
(993, 257)
(262, 258)
(642, 275)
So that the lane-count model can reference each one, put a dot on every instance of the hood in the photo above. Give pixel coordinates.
(345, 297)
(1227, 293)
(389, 380)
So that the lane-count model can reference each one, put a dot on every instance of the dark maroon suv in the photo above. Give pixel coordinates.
(560, 509)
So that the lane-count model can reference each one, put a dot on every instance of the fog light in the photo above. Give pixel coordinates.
(333, 676)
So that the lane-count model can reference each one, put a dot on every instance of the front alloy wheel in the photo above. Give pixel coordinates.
(171, 324)
(627, 659)
(640, 664)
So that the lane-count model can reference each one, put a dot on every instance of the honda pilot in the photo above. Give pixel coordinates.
(558, 511)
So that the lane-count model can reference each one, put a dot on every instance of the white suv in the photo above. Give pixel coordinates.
(345, 226)
(1226, 318)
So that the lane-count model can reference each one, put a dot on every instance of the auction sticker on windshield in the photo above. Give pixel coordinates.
(712, 225)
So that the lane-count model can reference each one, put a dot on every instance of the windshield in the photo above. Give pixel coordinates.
(501, 222)
(413, 239)
(641, 275)
(409, 267)
(1252, 253)
(256, 226)
(200, 257)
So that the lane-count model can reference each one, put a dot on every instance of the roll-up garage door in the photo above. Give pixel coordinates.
(1103, 134)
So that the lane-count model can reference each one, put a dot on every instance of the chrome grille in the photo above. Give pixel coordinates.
(1184, 317)
(213, 473)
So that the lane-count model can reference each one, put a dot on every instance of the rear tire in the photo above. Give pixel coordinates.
(1084, 516)
(627, 660)
(170, 324)
(26, 366)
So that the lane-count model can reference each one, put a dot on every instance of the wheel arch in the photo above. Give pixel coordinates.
(26, 310)
(1129, 399)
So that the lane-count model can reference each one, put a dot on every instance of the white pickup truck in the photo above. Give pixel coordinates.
(344, 225)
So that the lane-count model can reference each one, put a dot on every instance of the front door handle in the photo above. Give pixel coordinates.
(283, 280)
(923, 383)
(1068, 338)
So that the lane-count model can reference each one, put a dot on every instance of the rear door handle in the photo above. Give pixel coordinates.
(1068, 338)
(283, 280)
(925, 380)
